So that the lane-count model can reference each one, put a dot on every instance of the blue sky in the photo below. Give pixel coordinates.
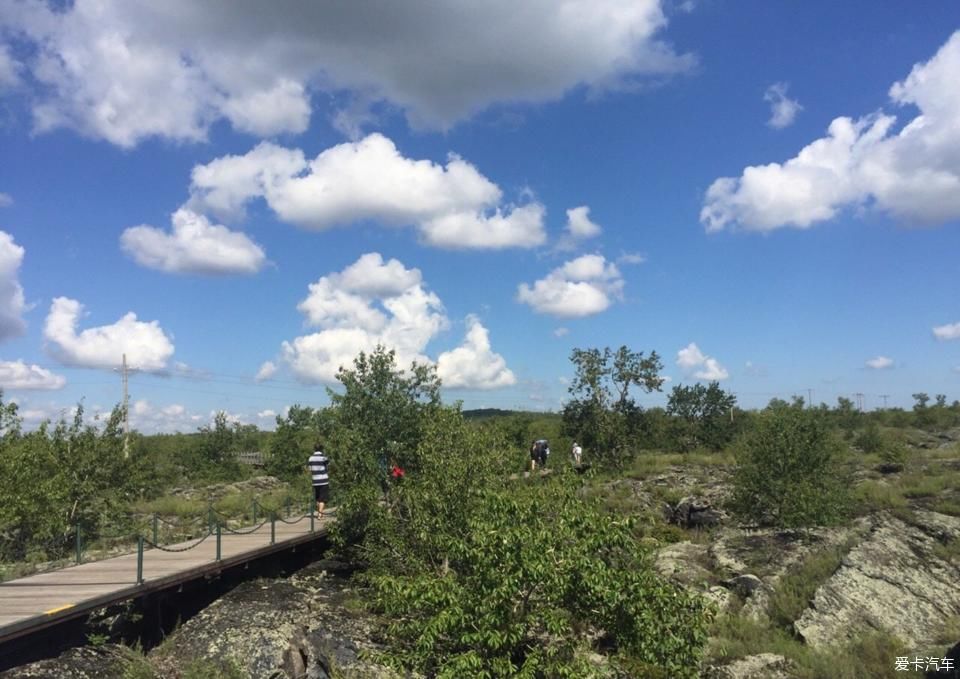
(767, 194)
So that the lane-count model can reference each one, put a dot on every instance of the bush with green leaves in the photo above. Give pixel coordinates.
(536, 580)
(55, 478)
(790, 471)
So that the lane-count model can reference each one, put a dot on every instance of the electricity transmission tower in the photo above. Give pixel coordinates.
(125, 371)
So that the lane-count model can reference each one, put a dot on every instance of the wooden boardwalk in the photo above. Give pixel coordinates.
(38, 601)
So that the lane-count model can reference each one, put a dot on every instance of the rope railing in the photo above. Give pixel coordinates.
(216, 523)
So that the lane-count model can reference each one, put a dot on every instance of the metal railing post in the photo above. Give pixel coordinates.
(288, 507)
(254, 511)
(139, 559)
(273, 527)
(210, 519)
(77, 543)
(218, 540)
(155, 527)
(312, 514)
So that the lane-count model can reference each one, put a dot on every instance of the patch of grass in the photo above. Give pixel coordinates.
(649, 463)
(873, 496)
(950, 631)
(951, 507)
(926, 485)
(136, 666)
(949, 551)
(795, 590)
(872, 656)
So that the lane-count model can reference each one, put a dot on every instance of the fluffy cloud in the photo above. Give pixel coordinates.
(695, 363)
(452, 206)
(152, 419)
(950, 331)
(375, 302)
(473, 365)
(266, 371)
(194, 246)
(581, 287)
(579, 227)
(880, 363)
(912, 173)
(9, 69)
(783, 109)
(5, 200)
(561, 331)
(125, 71)
(146, 345)
(19, 375)
(11, 292)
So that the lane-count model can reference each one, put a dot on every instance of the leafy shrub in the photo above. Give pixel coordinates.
(531, 573)
(789, 471)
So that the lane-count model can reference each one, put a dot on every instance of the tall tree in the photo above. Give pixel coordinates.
(702, 416)
(601, 413)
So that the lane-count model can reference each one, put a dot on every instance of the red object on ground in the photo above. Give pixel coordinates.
(397, 472)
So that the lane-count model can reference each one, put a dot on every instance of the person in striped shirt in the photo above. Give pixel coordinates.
(317, 466)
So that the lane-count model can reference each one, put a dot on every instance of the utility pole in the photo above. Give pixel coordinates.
(125, 379)
(126, 410)
(859, 396)
(809, 397)
(884, 397)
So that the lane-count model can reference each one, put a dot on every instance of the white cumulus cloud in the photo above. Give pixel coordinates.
(581, 287)
(11, 292)
(193, 246)
(695, 363)
(125, 71)
(19, 375)
(154, 419)
(473, 365)
(267, 370)
(376, 302)
(880, 363)
(783, 109)
(911, 172)
(6, 200)
(9, 69)
(146, 346)
(452, 206)
(950, 331)
(579, 227)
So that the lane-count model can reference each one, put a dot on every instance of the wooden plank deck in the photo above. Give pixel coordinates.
(40, 600)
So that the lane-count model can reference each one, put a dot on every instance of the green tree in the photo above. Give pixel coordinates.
(53, 479)
(789, 470)
(703, 416)
(293, 440)
(378, 417)
(214, 453)
(601, 414)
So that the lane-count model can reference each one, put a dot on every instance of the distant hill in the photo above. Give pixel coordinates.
(487, 413)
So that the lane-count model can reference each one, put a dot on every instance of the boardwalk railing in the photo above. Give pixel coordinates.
(156, 532)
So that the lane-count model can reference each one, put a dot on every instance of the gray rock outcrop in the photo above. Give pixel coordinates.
(760, 666)
(895, 580)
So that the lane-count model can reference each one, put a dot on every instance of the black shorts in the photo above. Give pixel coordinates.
(321, 493)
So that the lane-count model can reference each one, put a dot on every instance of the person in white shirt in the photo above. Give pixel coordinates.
(577, 452)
